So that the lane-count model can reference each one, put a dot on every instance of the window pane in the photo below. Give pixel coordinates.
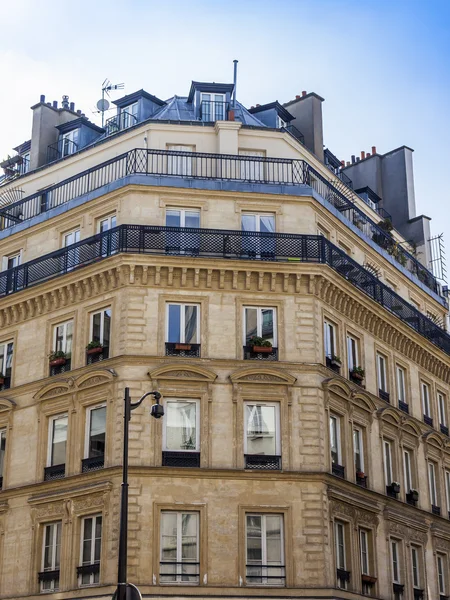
(97, 432)
(261, 429)
(106, 327)
(273, 535)
(174, 323)
(87, 541)
(173, 219)
(96, 324)
(250, 323)
(254, 539)
(190, 325)
(248, 222)
(181, 426)
(189, 537)
(169, 537)
(2, 451)
(59, 441)
(192, 219)
(267, 324)
(267, 223)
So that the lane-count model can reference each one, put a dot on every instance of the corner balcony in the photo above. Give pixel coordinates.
(160, 166)
(220, 244)
(61, 149)
(123, 120)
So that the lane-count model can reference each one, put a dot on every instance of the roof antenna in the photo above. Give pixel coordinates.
(235, 83)
(103, 103)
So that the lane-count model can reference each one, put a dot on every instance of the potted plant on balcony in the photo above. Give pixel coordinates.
(57, 358)
(414, 494)
(182, 346)
(357, 374)
(259, 344)
(94, 347)
(395, 487)
(360, 474)
(370, 579)
(336, 361)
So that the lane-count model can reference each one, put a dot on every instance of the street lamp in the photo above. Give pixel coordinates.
(157, 411)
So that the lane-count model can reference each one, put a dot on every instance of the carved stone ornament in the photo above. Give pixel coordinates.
(367, 518)
(56, 391)
(97, 380)
(441, 543)
(340, 508)
(55, 509)
(86, 503)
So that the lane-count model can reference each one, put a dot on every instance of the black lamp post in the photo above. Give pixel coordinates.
(157, 411)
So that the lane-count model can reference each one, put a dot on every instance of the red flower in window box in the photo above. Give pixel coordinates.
(182, 346)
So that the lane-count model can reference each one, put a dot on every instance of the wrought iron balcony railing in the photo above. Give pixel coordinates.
(248, 169)
(89, 569)
(94, 463)
(61, 368)
(60, 149)
(94, 357)
(182, 349)
(224, 244)
(262, 462)
(123, 120)
(252, 353)
(54, 472)
(257, 574)
(180, 459)
(292, 129)
(213, 111)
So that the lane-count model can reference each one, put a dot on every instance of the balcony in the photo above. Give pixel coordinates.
(436, 510)
(180, 459)
(90, 569)
(260, 353)
(338, 470)
(383, 395)
(184, 350)
(298, 135)
(333, 364)
(95, 463)
(95, 355)
(428, 420)
(54, 472)
(61, 149)
(220, 244)
(122, 121)
(246, 169)
(403, 406)
(15, 166)
(212, 111)
(49, 577)
(269, 575)
(262, 462)
(393, 490)
(412, 497)
(61, 367)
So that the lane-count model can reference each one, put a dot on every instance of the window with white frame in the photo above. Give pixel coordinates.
(382, 372)
(71, 237)
(6, 358)
(26, 163)
(2, 454)
(73, 254)
(11, 261)
(128, 115)
(179, 239)
(388, 468)
(179, 562)
(181, 426)
(212, 107)
(395, 561)
(181, 163)
(335, 439)
(260, 322)
(95, 431)
(57, 440)
(91, 546)
(258, 245)
(442, 406)
(340, 549)
(62, 338)
(69, 142)
(407, 470)
(447, 489)
(425, 389)
(100, 330)
(364, 547)
(183, 323)
(329, 339)
(106, 223)
(352, 353)
(262, 428)
(252, 170)
(442, 573)
(358, 450)
(416, 566)
(51, 557)
(182, 217)
(432, 483)
(264, 549)
(401, 384)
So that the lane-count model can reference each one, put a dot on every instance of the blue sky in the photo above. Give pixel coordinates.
(382, 66)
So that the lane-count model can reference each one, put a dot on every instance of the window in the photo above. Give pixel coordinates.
(182, 242)
(62, 338)
(2, 455)
(329, 337)
(358, 450)
(340, 549)
(128, 115)
(212, 107)
(253, 170)
(262, 435)
(11, 261)
(183, 323)
(364, 550)
(13, 280)
(181, 432)
(395, 560)
(322, 231)
(101, 327)
(69, 142)
(442, 401)
(352, 353)
(91, 545)
(25, 163)
(426, 399)
(71, 237)
(280, 122)
(441, 560)
(335, 439)
(401, 388)
(57, 441)
(257, 245)
(73, 254)
(265, 550)
(95, 433)
(51, 557)
(388, 474)
(106, 223)
(407, 471)
(182, 217)
(432, 484)
(415, 563)
(179, 547)
(6, 357)
(180, 163)
(382, 375)
(260, 323)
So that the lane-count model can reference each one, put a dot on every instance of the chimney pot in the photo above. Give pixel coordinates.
(297, 97)
(303, 93)
(42, 98)
(79, 112)
(55, 103)
(72, 106)
(252, 107)
(363, 155)
(49, 103)
(231, 114)
(342, 163)
(65, 102)
(357, 159)
(258, 105)
(374, 149)
(367, 154)
(353, 159)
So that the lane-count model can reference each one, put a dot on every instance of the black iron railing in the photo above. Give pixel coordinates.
(94, 463)
(100, 354)
(213, 110)
(54, 472)
(428, 420)
(180, 459)
(253, 353)
(47, 576)
(251, 169)
(181, 349)
(6, 384)
(186, 571)
(403, 406)
(60, 149)
(123, 120)
(436, 510)
(61, 368)
(361, 480)
(384, 395)
(224, 244)
(444, 429)
(292, 129)
(90, 569)
(268, 574)
(338, 470)
(262, 462)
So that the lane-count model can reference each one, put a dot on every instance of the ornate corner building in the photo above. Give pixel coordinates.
(282, 303)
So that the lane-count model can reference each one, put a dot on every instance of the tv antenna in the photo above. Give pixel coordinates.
(103, 103)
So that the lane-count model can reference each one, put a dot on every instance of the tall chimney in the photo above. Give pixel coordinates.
(72, 106)
(42, 98)
(363, 155)
(374, 149)
(353, 159)
(307, 111)
(55, 103)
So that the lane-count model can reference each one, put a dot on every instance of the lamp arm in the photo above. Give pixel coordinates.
(156, 395)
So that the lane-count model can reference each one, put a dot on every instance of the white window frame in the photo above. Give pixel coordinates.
(277, 424)
(447, 489)
(337, 420)
(401, 383)
(54, 566)
(107, 219)
(258, 216)
(259, 322)
(127, 121)
(432, 483)
(360, 434)
(102, 324)
(415, 567)
(382, 372)
(197, 424)
(441, 568)
(3, 363)
(364, 548)
(15, 256)
(183, 212)
(3, 436)
(213, 107)
(329, 339)
(407, 470)
(179, 559)
(281, 123)
(352, 352)
(92, 562)
(340, 526)
(442, 407)
(388, 469)
(64, 325)
(51, 433)
(263, 517)
(425, 393)
(182, 321)
(87, 432)
(75, 233)
(71, 136)
(395, 560)
(26, 162)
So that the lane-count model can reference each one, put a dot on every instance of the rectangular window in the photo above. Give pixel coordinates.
(441, 560)
(11, 261)
(91, 545)
(382, 374)
(388, 474)
(407, 471)
(415, 563)
(71, 237)
(352, 353)
(101, 327)
(260, 323)
(181, 431)
(106, 223)
(180, 240)
(364, 549)
(432, 483)
(262, 430)
(335, 441)
(253, 170)
(442, 401)
(358, 450)
(95, 431)
(447, 489)
(73, 254)
(69, 142)
(401, 388)
(182, 217)
(183, 323)
(128, 115)
(265, 550)
(181, 164)
(395, 559)
(426, 399)
(179, 547)
(57, 440)
(212, 107)
(339, 539)
(2, 455)
(257, 246)
(6, 358)
(329, 339)
(62, 338)
(51, 557)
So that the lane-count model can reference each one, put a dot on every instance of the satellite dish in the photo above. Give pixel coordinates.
(102, 104)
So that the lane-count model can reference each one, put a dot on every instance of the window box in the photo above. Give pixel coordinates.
(91, 569)
(383, 395)
(436, 510)
(260, 353)
(368, 579)
(186, 347)
(333, 363)
(97, 356)
(263, 349)
(428, 420)
(393, 490)
(444, 429)
(398, 588)
(418, 594)
(403, 406)
(48, 576)
(178, 349)
(94, 350)
(57, 362)
(262, 462)
(357, 375)
(361, 479)
(412, 497)
(343, 576)
(181, 459)
(59, 367)
(338, 470)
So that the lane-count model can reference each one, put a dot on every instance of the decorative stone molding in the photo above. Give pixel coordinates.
(183, 371)
(72, 385)
(264, 375)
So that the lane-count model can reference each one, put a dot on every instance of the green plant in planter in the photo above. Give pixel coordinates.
(358, 372)
(386, 225)
(259, 341)
(94, 344)
(336, 360)
(56, 354)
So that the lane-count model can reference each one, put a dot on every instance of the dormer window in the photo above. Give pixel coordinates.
(25, 166)
(280, 123)
(69, 143)
(129, 115)
(212, 107)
